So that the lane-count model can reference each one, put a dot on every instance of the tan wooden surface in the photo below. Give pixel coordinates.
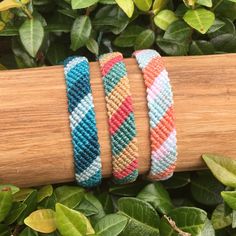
(35, 143)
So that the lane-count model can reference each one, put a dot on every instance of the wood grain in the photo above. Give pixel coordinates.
(35, 143)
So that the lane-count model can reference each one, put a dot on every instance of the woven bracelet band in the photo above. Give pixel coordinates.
(121, 118)
(82, 122)
(160, 104)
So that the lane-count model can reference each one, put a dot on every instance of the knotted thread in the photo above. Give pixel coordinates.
(160, 104)
(121, 118)
(82, 122)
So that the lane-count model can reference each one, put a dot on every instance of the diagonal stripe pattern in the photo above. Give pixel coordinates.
(82, 122)
(160, 104)
(121, 118)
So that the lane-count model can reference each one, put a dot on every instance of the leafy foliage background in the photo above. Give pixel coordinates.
(200, 203)
(44, 32)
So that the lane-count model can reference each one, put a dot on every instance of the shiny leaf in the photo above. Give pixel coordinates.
(5, 203)
(127, 6)
(200, 19)
(230, 198)
(69, 196)
(31, 35)
(143, 219)
(157, 196)
(143, 5)
(42, 221)
(78, 4)
(111, 225)
(144, 40)
(80, 32)
(218, 218)
(223, 168)
(165, 18)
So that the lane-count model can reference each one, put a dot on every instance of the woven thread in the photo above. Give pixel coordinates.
(82, 122)
(121, 118)
(160, 104)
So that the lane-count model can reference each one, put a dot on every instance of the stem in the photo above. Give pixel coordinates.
(174, 226)
(27, 12)
(16, 230)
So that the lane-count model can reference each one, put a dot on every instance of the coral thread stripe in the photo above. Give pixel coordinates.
(106, 67)
(121, 118)
(120, 115)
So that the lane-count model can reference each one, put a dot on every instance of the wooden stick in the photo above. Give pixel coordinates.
(35, 142)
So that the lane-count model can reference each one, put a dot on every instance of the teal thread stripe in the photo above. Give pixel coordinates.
(82, 122)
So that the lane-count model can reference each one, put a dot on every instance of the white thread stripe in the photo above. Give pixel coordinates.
(89, 171)
(81, 110)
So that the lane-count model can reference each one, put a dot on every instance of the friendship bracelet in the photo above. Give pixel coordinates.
(121, 118)
(82, 122)
(160, 104)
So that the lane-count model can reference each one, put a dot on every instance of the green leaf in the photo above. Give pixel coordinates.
(143, 219)
(159, 5)
(107, 1)
(188, 219)
(200, 19)
(218, 24)
(178, 30)
(165, 18)
(45, 191)
(22, 194)
(87, 208)
(23, 60)
(143, 5)
(69, 196)
(31, 35)
(2, 25)
(31, 203)
(111, 225)
(16, 210)
(42, 221)
(5, 203)
(225, 42)
(28, 232)
(5, 187)
(127, 6)
(92, 46)
(230, 198)
(178, 180)
(207, 3)
(128, 36)
(144, 40)
(157, 196)
(206, 192)
(224, 169)
(218, 218)
(107, 202)
(172, 47)
(79, 4)
(97, 204)
(201, 47)
(80, 32)
(48, 203)
(225, 8)
(4, 230)
(9, 31)
(208, 229)
(128, 190)
(234, 219)
(70, 222)
(227, 28)
(110, 18)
